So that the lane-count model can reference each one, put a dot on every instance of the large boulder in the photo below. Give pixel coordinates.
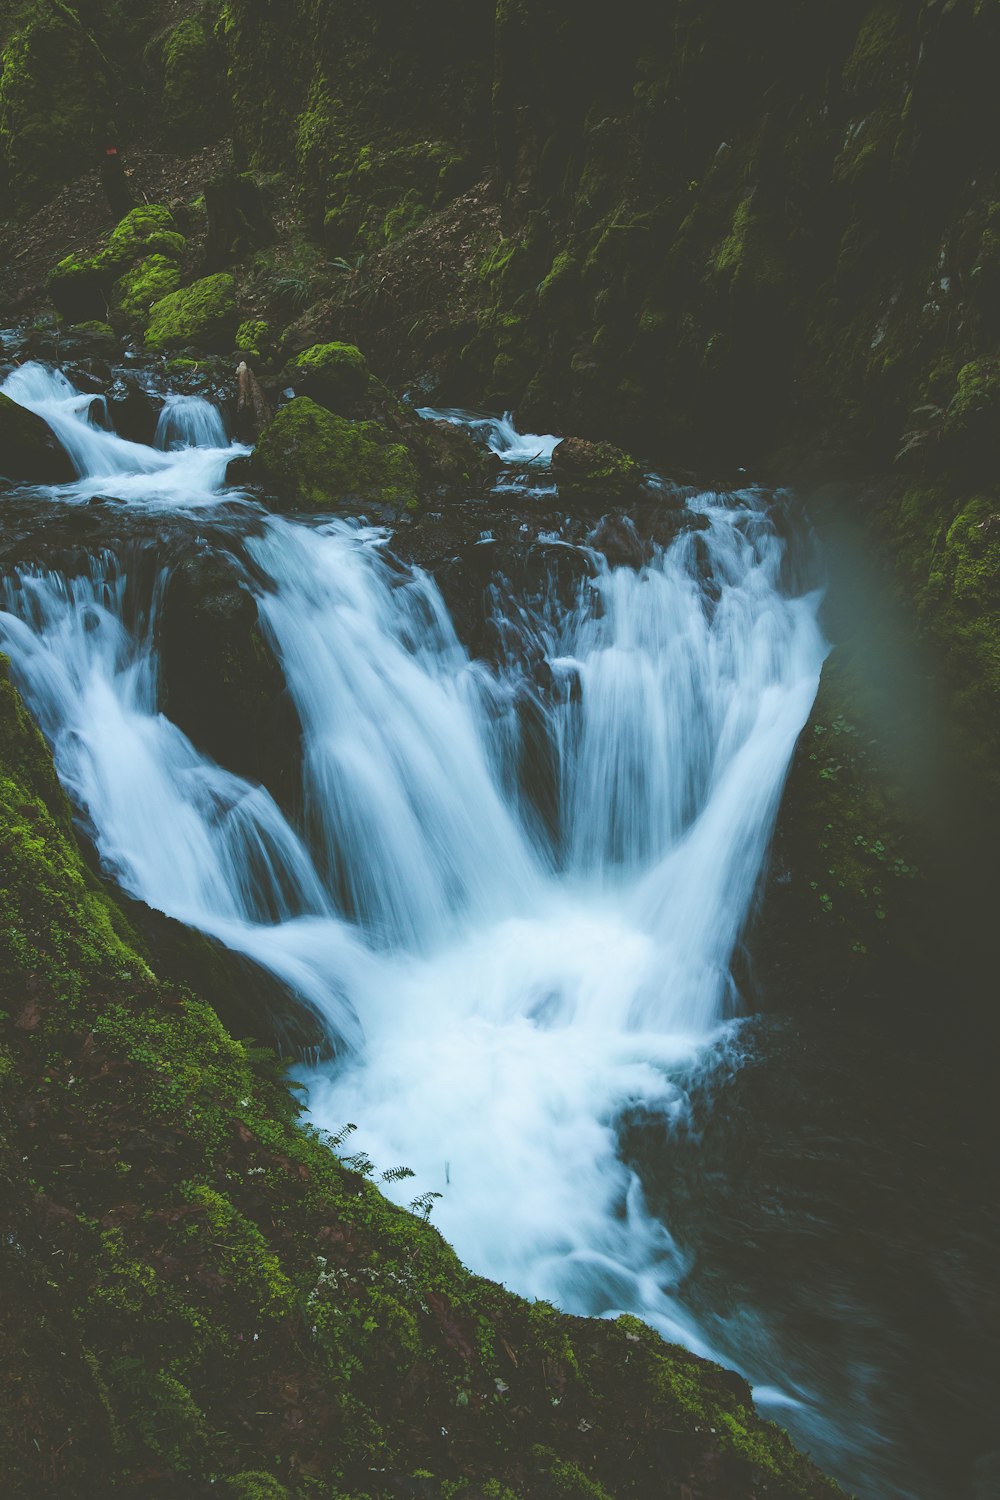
(309, 458)
(202, 315)
(83, 286)
(30, 452)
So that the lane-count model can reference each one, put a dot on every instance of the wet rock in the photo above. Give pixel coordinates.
(619, 541)
(587, 470)
(224, 687)
(450, 457)
(30, 452)
(133, 409)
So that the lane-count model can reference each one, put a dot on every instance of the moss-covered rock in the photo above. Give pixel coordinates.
(311, 459)
(29, 449)
(82, 286)
(194, 99)
(972, 418)
(146, 230)
(146, 282)
(597, 470)
(203, 315)
(253, 339)
(55, 109)
(334, 374)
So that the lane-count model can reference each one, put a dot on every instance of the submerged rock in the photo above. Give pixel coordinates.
(29, 449)
(311, 459)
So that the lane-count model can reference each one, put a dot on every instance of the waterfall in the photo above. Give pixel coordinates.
(517, 886)
(189, 422)
(111, 468)
(524, 449)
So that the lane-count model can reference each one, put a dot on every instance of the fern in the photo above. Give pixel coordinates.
(397, 1174)
(423, 1204)
(361, 1163)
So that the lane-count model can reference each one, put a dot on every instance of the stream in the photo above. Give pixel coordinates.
(512, 893)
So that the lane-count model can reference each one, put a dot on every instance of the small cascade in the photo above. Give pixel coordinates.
(110, 467)
(189, 422)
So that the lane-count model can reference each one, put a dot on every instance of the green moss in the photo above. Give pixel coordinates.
(147, 230)
(745, 255)
(598, 469)
(81, 286)
(193, 94)
(311, 459)
(561, 281)
(565, 1481)
(145, 283)
(256, 1486)
(973, 415)
(253, 338)
(95, 329)
(322, 149)
(54, 102)
(335, 374)
(203, 314)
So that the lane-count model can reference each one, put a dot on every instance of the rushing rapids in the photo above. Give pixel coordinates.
(517, 886)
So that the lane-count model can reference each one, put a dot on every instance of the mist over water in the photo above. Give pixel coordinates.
(516, 886)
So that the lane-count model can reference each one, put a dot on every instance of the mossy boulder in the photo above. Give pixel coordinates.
(194, 97)
(147, 230)
(253, 339)
(55, 109)
(334, 374)
(203, 315)
(29, 450)
(311, 459)
(594, 470)
(143, 284)
(82, 286)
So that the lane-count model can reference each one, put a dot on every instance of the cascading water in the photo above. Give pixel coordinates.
(508, 967)
(112, 468)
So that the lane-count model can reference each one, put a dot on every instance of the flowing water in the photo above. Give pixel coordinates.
(516, 887)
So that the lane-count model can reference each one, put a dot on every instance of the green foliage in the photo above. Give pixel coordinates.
(203, 314)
